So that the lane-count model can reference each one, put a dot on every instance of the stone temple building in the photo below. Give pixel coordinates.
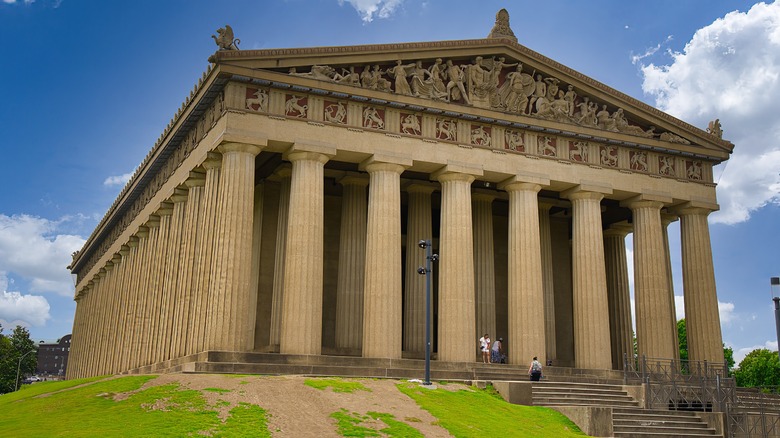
(280, 213)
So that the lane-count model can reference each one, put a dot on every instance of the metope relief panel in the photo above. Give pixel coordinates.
(256, 100)
(666, 165)
(411, 124)
(547, 146)
(578, 151)
(374, 118)
(335, 112)
(608, 156)
(514, 140)
(693, 170)
(481, 135)
(446, 129)
(638, 161)
(296, 106)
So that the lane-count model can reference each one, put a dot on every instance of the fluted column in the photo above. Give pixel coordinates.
(457, 323)
(303, 271)
(484, 264)
(667, 219)
(202, 295)
(352, 261)
(525, 290)
(141, 272)
(129, 288)
(651, 284)
(618, 294)
(74, 358)
(115, 302)
(702, 319)
(283, 174)
(150, 306)
(382, 304)
(418, 227)
(172, 288)
(591, 312)
(548, 284)
(230, 307)
(165, 213)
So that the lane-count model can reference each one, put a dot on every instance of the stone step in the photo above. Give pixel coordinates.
(563, 390)
(571, 396)
(672, 429)
(641, 421)
(654, 412)
(587, 402)
(578, 385)
(648, 434)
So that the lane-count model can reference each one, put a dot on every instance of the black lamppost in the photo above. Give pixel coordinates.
(775, 285)
(426, 271)
(19, 367)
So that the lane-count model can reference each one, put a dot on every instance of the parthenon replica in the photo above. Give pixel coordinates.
(279, 213)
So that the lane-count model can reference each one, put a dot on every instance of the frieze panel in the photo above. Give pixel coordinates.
(513, 140)
(446, 129)
(608, 156)
(547, 146)
(578, 151)
(481, 136)
(335, 112)
(296, 106)
(693, 170)
(411, 124)
(638, 161)
(373, 118)
(256, 100)
(666, 165)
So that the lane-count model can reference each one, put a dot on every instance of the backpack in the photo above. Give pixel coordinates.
(536, 366)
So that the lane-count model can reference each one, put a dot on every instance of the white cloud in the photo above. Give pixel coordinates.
(730, 70)
(32, 248)
(368, 9)
(650, 51)
(725, 310)
(740, 354)
(25, 310)
(118, 180)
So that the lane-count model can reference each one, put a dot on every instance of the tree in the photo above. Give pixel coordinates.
(12, 348)
(760, 367)
(682, 338)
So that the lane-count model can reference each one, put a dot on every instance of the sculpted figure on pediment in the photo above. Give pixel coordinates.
(560, 107)
(570, 96)
(319, 72)
(514, 92)
(715, 129)
(400, 72)
(455, 88)
(540, 91)
(587, 113)
(225, 40)
(480, 85)
(544, 108)
(673, 138)
(378, 81)
(605, 119)
(348, 77)
(552, 87)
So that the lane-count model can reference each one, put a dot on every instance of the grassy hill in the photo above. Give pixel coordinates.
(234, 406)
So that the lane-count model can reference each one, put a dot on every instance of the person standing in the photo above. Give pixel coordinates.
(535, 370)
(496, 350)
(484, 347)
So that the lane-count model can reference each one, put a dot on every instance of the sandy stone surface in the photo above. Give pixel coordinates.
(295, 409)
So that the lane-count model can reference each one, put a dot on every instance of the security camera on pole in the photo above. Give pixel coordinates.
(775, 285)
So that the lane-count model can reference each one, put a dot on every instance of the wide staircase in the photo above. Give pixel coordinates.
(628, 419)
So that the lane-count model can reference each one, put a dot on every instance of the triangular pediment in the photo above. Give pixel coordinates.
(488, 78)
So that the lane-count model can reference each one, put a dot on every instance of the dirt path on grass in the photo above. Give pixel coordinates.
(295, 409)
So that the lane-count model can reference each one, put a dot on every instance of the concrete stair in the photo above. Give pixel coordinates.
(555, 393)
(638, 423)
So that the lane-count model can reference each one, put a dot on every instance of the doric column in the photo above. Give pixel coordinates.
(172, 289)
(97, 328)
(352, 262)
(129, 289)
(591, 312)
(702, 319)
(548, 283)
(418, 227)
(74, 356)
(618, 294)
(525, 294)
(165, 213)
(382, 303)
(141, 272)
(457, 323)
(303, 270)
(202, 295)
(115, 303)
(283, 175)
(667, 219)
(651, 284)
(150, 306)
(484, 263)
(109, 315)
(232, 317)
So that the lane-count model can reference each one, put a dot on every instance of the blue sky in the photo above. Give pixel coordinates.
(87, 87)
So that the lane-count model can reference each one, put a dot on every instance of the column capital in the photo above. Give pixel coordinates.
(316, 147)
(525, 177)
(179, 194)
(402, 160)
(453, 176)
(519, 186)
(354, 179)
(483, 195)
(620, 229)
(213, 161)
(421, 187)
(466, 170)
(668, 218)
(306, 156)
(377, 166)
(229, 146)
(153, 221)
(165, 209)
(132, 242)
(110, 265)
(695, 207)
(196, 179)
(283, 171)
(649, 200)
(586, 190)
(143, 232)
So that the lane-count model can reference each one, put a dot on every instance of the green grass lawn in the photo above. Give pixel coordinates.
(119, 407)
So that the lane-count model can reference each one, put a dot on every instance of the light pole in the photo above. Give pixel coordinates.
(19, 367)
(426, 271)
(775, 285)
